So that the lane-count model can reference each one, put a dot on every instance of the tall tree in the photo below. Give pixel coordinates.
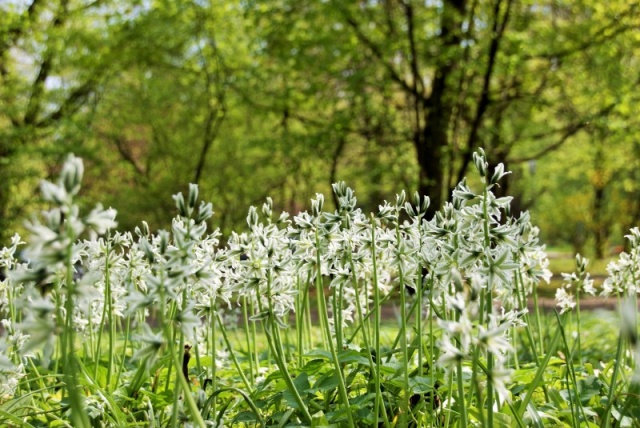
(53, 57)
(453, 75)
(283, 97)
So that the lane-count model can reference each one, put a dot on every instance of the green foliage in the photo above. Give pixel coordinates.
(284, 98)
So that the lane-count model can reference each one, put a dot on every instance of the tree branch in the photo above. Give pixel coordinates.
(483, 103)
(417, 83)
(72, 103)
(567, 132)
(37, 88)
(16, 31)
(601, 36)
(375, 49)
(125, 153)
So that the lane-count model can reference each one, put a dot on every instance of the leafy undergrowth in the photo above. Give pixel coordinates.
(288, 324)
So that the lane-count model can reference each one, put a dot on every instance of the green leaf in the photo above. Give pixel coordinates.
(285, 418)
(420, 384)
(417, 384)
(589, 388)
(314, 366)
(351, 356)
(319, 420)
(320, 353)
(327, 382)
(500, 420)
(557, 398)
(301, 383)
(536, 419)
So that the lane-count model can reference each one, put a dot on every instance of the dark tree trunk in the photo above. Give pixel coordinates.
(7, 154)
(600, 228)
(429, 146)
(433, 139)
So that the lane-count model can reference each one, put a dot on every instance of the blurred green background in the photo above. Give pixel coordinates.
(281, 98)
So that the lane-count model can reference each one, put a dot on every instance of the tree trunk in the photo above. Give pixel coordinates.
(432, 141)
(599, 182)
(600, 228)
(7, 153)
(429, 147)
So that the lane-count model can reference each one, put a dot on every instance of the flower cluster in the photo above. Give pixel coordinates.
(623, 278)
(580, 281)
(484, 264)
(470, 268)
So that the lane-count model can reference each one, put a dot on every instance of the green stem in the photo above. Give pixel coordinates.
(248, 336)
(579, 344)
(337, 316)
(376, 309)
(191, 402)
(461, 403)
(571, 378)
(432, 346)
(108, 296)
(538, 320)
(527, 319)
(324, 317)
(489, 305)
(78, 414)
(301, 298)
(179, 374)
(606, 422)
(403, 340)
(365, 337)
(449, 397)
(232, 354)
(539, 376)
(127, 332)
(214, 346)
(170, 334)
(271, 333)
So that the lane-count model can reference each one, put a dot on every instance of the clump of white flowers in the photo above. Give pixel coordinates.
(12, 354)
(49, 277)
(468, 272)
(623, 274)
(486, 264)
(578, 282)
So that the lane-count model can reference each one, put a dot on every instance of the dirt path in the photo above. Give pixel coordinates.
(588, 304)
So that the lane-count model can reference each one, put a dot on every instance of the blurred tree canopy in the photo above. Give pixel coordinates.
(281, 98)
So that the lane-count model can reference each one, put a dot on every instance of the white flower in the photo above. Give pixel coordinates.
(564, 300)
(53, 193)
(101, 220)
(494, 341)
(449, 354)
(587, 286)
(9, 380)
(498, 378)
(461, 328)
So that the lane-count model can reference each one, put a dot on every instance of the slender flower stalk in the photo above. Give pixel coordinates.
(276, 349)
(404, 405)
(322, 307)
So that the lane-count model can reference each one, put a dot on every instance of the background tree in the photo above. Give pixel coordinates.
(284, 97)
(53, 58)
(457, 74)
